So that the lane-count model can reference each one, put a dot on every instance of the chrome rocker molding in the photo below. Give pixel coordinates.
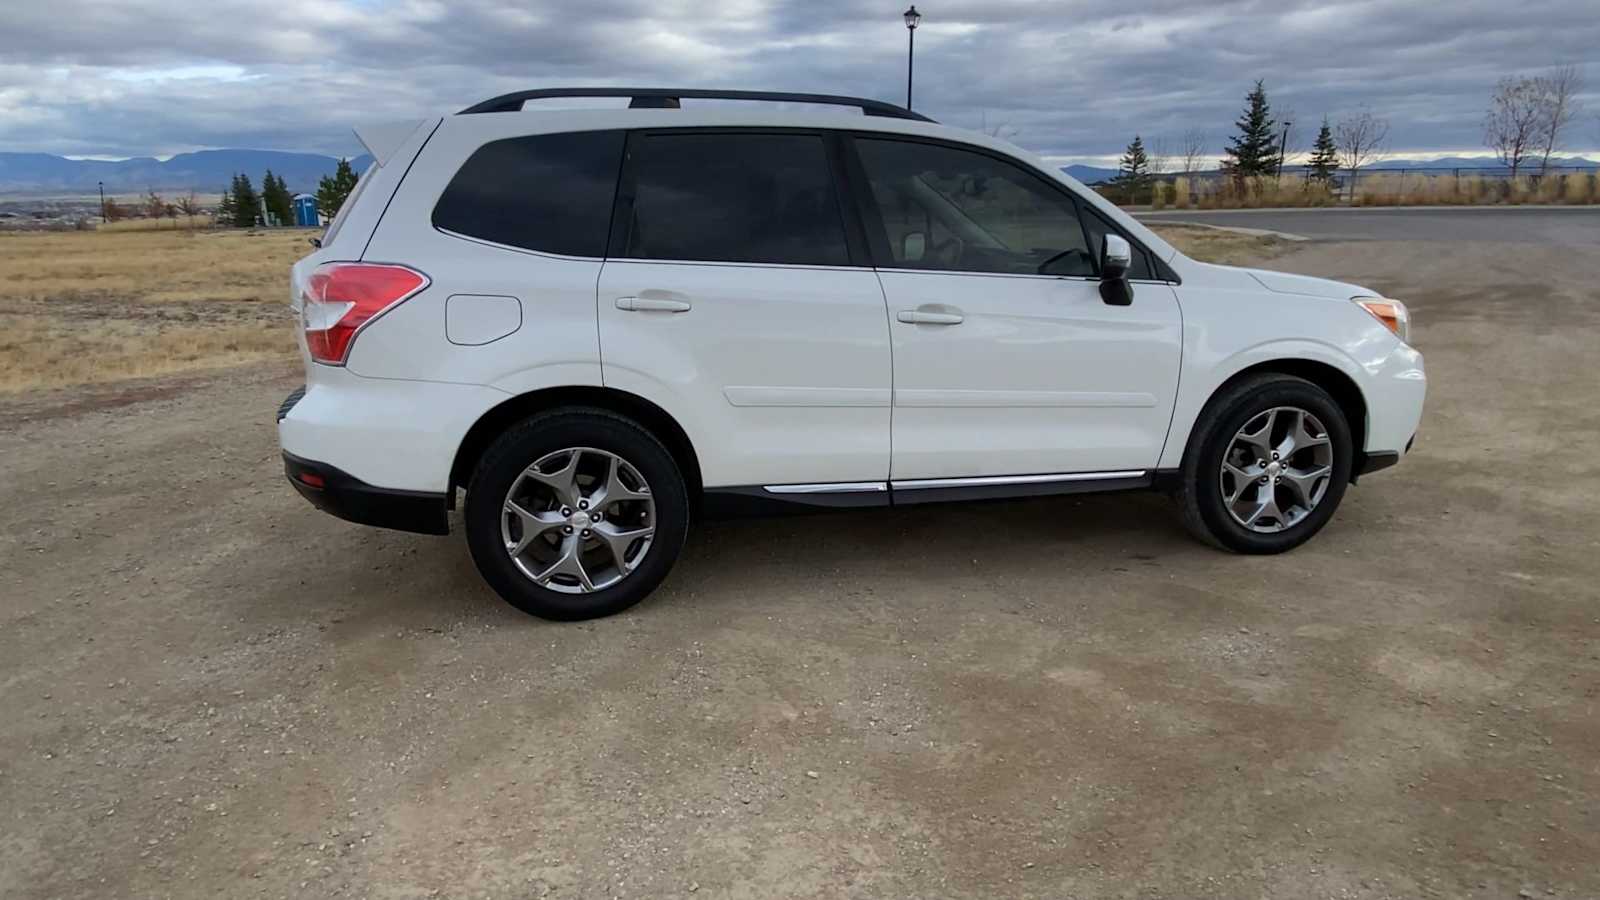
(766, 499)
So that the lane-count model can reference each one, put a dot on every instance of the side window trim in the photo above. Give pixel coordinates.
(877, 235)
(855, 232)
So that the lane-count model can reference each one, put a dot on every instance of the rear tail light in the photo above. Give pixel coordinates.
(342, 297)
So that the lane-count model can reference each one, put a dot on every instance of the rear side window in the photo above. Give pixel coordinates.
(546, 192)
(756, 198)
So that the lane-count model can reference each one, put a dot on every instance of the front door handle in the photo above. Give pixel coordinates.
(652, 304)
(925, 317)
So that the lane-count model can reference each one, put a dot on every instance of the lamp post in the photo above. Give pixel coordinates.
(102, 185)
(1283, 149)
(913, 18)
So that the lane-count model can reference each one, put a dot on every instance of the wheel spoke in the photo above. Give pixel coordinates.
(533, 525)
(1243, 477)
(1266, 508)
(563, 482)
(618, 540)
(1261, 438)
(570, 562)
(614, 491)
(1303, 482)
(1298, 438)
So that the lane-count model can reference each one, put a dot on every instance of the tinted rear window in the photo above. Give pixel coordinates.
(547, 192)
(760, 198)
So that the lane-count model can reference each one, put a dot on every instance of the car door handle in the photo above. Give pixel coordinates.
(652, 304)
(924, 317)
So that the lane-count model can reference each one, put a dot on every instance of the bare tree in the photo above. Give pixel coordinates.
(189, 205)
(1192, 149)
(1160, 156)
(154, 206)
(1559, 104)
(1361, 138)
(1512, 126)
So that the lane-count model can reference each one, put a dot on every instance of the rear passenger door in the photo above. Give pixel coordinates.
(737, 296)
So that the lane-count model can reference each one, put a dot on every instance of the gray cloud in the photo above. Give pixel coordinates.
(1073, 79)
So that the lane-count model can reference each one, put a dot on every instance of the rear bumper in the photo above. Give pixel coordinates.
(341, 494)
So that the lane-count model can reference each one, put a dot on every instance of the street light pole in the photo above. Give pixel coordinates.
(913, 18)
(1283, 149)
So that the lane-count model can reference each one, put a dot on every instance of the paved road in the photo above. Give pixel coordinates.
(1557, 226)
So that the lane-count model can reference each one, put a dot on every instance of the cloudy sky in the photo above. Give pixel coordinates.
(1073, 80)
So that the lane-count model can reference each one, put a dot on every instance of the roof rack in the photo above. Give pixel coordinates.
(668, 98)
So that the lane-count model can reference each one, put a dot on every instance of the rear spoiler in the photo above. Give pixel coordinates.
(384, 138)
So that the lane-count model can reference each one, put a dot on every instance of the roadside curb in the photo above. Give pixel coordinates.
(1252, 232)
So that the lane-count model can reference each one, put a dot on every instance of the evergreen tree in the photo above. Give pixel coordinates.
(332, 190)
(225, 212)
(1253, 150)
(1133, 173)
(275, 193)
(246, 204)
(1324, 155)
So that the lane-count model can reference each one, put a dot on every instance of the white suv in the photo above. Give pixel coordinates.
(601, 322)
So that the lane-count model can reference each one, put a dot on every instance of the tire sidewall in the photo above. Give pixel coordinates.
(1204, 467)
(513, 452)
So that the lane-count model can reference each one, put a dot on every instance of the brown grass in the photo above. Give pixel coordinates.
(1217, 246)
(1243, 193)
(80, 307)
(86, 307)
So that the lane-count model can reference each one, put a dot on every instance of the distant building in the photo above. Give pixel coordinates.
(305, 211)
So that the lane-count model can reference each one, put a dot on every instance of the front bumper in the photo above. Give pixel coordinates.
(341, 494)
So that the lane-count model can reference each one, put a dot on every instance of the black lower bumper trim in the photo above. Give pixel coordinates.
(343, 495)
(1375, 462)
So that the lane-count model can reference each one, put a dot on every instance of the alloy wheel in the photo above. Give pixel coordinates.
(1276, 469)
(578, 520)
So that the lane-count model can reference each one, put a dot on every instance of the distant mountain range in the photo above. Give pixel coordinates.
(209, 171)
(206, 172)
(1483, 165)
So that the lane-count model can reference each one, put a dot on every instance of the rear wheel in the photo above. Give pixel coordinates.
(1267, 467)
(576, 513)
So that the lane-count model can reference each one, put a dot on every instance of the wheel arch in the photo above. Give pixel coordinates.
(496, 420)
(1330, 378)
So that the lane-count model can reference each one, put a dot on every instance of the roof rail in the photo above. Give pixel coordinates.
(668, 98)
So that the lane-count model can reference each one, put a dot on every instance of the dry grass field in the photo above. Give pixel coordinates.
(88, 307)
(83, 307)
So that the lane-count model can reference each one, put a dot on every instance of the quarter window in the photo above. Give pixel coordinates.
(952, 209)
(752, 198)
(548, 192)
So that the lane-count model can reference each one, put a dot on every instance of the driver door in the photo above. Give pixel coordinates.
(1006, 360)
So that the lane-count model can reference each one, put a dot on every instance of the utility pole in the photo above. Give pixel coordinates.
(913, 19)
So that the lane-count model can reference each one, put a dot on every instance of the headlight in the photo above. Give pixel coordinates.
(1392, 313)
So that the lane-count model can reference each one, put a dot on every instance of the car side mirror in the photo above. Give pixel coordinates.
(1116, 258)
(913, 246)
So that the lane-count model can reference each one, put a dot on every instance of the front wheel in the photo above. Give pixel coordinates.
(1267, 467)
(575, 514)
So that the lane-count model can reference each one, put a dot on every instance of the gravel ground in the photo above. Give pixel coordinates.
(208, 689)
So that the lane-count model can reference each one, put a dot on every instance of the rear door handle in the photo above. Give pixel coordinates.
(652, 304)
(925, 317)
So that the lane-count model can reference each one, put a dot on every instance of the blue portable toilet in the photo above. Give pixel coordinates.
(305, 211)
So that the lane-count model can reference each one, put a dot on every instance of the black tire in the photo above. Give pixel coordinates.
(548, 432)
(1200, 492)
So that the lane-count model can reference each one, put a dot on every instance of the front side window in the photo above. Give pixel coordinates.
(546, 192)
(959, 210)
(750, 198)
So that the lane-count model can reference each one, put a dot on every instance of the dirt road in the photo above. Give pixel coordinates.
(209, 689)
